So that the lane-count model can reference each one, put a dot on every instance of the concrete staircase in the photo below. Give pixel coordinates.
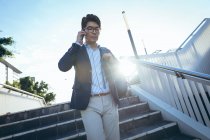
(60, 122)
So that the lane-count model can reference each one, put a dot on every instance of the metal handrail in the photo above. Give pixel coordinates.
(187, 91)
(193, 33)
(189, 55)
(168, 69)
(22, 91)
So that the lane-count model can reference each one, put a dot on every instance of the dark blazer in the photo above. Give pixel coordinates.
(77, 56)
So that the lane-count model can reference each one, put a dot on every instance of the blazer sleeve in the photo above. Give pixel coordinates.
(68, 60)
(111, 66)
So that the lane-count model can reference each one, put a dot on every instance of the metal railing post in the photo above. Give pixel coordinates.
(130, 36)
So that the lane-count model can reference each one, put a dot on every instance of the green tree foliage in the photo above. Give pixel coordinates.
(39, 88)
(27, 84)
(4, 41)
(15, 84)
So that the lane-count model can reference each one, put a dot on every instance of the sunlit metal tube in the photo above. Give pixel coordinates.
(130, 36)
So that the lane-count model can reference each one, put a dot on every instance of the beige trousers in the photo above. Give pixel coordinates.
(101, 119)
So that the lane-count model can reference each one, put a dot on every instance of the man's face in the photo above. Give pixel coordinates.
(92, 32)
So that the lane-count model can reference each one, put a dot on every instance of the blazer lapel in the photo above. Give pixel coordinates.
(85, 56)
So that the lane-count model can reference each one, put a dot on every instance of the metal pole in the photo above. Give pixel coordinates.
(144, 46)
(130, 36)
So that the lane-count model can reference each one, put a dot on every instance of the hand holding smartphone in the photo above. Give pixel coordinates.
(80, 37)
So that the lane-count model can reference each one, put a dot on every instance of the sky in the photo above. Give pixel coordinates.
(43, 30)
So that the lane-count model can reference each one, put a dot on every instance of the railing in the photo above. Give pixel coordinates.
(192, 54)
(186, 91)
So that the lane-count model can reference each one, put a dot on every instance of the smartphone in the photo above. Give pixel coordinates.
(82, 36)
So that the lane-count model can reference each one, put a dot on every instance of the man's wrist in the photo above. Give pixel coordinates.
(78, 43)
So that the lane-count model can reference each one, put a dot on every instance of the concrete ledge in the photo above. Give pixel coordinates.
(186, 124)
(13, 102)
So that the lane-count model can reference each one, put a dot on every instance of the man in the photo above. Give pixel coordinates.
(94, 91)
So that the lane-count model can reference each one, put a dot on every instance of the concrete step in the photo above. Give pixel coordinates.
(156, 131)
(14, 117)
(71, 129)
(133, 110)
(140, 120)
(161, 130)
(37, 122)
(180, 136)
(53, 117)
(137, 121)
(9, 118)
(27, 127)
(131, 100)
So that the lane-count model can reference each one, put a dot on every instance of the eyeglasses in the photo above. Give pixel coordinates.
(90, 29)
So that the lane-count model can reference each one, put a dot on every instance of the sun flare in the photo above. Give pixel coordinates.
(127, 68)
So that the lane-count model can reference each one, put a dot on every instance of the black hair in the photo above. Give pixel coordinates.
(90, 17)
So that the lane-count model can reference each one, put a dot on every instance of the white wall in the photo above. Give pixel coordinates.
(12, 101)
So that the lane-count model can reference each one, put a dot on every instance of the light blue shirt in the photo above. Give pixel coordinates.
(99, 81)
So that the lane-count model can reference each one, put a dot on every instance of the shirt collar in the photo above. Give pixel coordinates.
(88, 46)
